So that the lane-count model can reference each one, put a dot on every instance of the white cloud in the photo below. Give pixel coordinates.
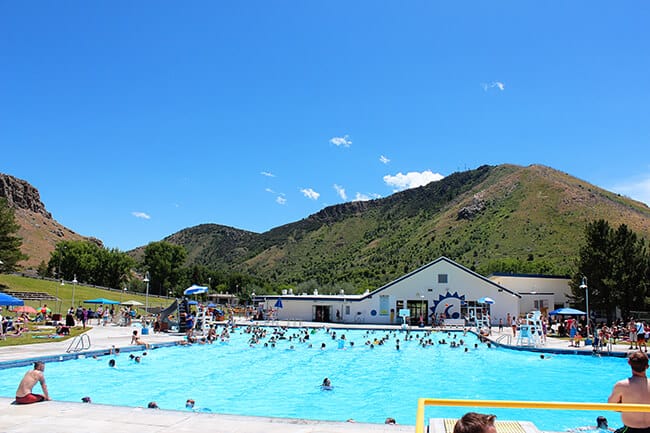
(269, 190)
(310, 193)
(142, 215)
(340, 191)
(280, 200)
(498, 84)
(267, 174)
(365, 197)
(341, 141)
(384, 160)
(411, 179)
(638, 189)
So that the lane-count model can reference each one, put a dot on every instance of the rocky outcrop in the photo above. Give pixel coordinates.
(477, 206)
(22, 195)
(39, 231)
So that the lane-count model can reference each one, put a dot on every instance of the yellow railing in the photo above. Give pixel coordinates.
(422, 402)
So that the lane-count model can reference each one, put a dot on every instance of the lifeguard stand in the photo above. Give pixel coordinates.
(531, 331)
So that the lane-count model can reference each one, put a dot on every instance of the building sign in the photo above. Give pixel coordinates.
(448, 305)
(384, 305)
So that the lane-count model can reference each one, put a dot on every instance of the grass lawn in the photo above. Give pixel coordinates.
(63, 293)
(38, 334)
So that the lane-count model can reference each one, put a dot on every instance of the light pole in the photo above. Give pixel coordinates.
(74, 286)
(423, 317)
(121, 294)
(146, 298)
(586, 289)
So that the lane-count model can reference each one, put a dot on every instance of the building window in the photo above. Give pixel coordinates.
(347, 310)
(442, 279)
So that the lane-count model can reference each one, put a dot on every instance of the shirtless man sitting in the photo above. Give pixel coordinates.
(24, 393)
(634, 390)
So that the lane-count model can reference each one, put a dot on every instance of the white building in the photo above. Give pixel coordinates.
(442, 289)
(538, 292)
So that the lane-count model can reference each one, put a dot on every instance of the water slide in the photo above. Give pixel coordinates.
(168, 318)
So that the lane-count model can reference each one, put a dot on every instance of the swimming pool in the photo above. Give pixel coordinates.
(369, 384)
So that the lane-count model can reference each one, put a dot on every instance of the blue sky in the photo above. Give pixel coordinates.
(137, 119)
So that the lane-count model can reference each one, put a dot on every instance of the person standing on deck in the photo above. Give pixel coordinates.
(631, 329)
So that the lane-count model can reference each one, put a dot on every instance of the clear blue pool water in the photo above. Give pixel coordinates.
(369, 384)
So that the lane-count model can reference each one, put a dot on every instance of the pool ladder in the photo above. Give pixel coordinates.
(508, 339)
(79, 343)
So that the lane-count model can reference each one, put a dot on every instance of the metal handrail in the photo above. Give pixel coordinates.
(78, 343)
(513, 404)
(507, 337)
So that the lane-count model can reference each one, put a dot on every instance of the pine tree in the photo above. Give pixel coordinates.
(10, 244)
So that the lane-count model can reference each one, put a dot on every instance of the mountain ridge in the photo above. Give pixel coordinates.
(533, 215)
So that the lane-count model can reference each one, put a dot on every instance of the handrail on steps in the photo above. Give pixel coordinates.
(79, 343)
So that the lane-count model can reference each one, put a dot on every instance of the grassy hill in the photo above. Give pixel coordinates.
(533, 215)
(15, 283)
(492, 218)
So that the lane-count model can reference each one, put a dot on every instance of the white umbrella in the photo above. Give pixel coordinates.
(132, 303)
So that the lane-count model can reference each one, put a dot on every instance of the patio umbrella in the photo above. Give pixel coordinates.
(195, 290)
(10, 300)
(132, 303)
(567, 312)
(486, 300)
(25, 309)
(278, 303)
(101, 301)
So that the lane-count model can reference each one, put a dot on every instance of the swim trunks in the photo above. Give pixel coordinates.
(29, 398)
(626, 429)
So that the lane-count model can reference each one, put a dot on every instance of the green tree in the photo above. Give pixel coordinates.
(164, 262)
(629, 270)
(10, 244)
(616, 265)
(90, 263)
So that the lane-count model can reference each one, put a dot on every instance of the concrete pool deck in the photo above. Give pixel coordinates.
(63, 417)
(56, 416)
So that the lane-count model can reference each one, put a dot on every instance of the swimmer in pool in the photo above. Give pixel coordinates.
(326, 385)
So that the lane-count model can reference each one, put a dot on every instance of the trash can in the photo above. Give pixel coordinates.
(145, 331)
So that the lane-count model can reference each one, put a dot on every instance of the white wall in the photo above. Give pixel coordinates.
(538, 285)
(421, 284)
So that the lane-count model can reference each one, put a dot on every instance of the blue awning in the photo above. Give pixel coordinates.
(10, 300)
